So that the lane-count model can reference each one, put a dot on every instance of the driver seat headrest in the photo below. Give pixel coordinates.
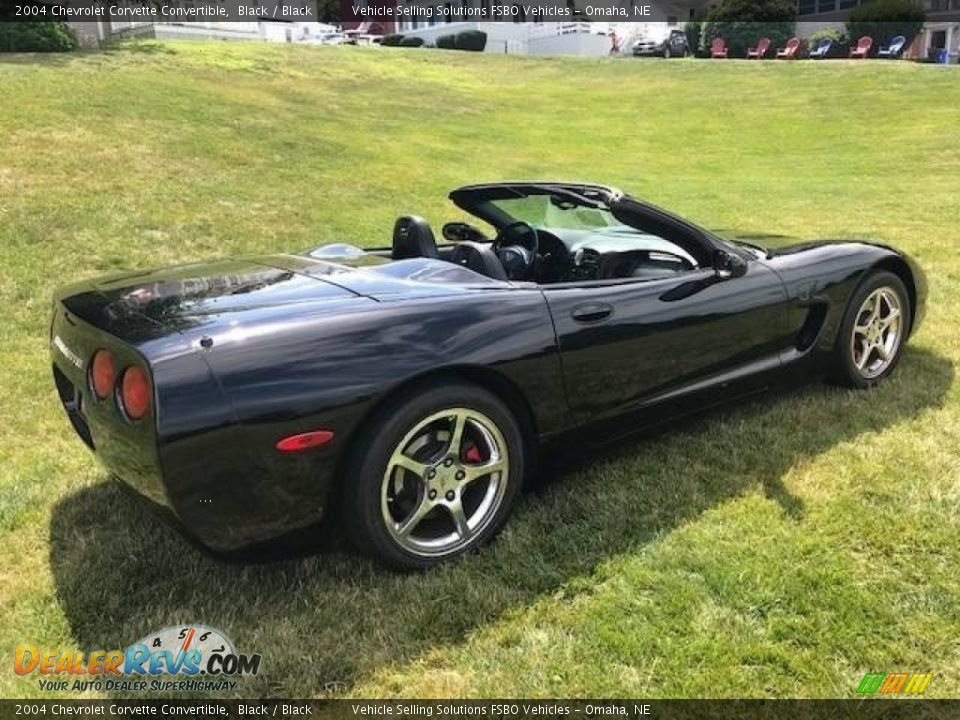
(413, 238)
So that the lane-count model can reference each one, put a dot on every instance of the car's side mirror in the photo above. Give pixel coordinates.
(728, 265)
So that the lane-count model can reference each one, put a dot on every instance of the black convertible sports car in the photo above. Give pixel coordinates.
(410, 387)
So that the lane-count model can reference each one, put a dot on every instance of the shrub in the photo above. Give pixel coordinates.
(36, 37)
(839, 47)
(741, 23)
(392, 40)
(694, 28)
(827, 33)
(883, 20)
(475, 40)
(447, 42)
(412, 42)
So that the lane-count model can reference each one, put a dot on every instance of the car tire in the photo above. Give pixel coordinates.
(873, 331)
(408, 499)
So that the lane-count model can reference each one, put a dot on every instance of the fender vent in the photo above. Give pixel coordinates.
(808, 334)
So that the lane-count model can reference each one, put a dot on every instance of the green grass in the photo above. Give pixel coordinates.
(781, 548)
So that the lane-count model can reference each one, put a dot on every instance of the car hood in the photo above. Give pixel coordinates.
(776, 245)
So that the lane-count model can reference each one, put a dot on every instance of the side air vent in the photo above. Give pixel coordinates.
(816, 314)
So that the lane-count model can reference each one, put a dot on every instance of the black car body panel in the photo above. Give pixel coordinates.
(245, 352)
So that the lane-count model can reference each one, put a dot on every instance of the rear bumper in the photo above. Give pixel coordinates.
(214, 470)
(201, 483)
(125, 449)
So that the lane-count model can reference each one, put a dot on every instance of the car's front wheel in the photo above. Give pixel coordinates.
(435, 475)
(873, 331)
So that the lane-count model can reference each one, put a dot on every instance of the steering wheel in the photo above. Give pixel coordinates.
(516, 246)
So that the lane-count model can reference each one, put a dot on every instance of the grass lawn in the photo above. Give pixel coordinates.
(783, 547)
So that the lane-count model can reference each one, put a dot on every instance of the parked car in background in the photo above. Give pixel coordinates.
(674, 44)
(333, 39)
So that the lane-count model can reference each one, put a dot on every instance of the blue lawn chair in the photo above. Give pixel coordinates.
(821, 50)
(895, 48)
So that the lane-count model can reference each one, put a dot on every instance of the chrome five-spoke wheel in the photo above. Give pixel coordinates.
(434, 474)
(877, 332)
(874, 329)
(444, 482)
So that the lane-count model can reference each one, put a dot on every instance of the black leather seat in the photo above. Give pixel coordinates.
(478, 257)
(413, 238)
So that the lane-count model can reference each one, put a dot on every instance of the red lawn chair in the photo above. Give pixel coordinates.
(862, 47)
(789, 51)
(718, 48)
(760, 50)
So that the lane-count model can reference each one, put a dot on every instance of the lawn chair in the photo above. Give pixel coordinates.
(718, 48)
(894, 50)
(862, 47)
(760, 50)
(822, 49)
(789, 51)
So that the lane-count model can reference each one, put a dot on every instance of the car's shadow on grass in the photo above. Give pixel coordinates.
(325, 620)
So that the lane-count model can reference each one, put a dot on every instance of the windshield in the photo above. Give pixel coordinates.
(551, 211)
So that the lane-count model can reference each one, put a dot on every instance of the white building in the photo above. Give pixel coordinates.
(588, 34)
(94, 34)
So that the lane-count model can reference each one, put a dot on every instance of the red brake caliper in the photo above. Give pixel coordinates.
(472, 454)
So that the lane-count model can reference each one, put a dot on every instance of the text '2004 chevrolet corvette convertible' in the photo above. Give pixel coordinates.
(410, 387)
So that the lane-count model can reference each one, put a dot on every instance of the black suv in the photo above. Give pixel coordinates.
(675, 44)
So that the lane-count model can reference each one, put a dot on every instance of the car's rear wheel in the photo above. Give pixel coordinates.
(873, 331)
(435, 475)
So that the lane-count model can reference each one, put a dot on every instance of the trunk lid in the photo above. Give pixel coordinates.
(139, 305)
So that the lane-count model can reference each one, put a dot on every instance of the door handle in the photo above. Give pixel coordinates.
(592, 312)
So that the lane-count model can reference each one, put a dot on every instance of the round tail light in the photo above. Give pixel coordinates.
(135, 393)
(102, 373)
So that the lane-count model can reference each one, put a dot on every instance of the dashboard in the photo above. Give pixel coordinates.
(606, 254)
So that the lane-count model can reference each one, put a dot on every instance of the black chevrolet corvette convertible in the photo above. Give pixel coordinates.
(407, 389)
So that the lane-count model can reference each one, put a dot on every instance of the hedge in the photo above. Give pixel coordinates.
(473, 40)
(36, 37)
(883, 20)
(741, 23)
(412, 42)
(392, 40)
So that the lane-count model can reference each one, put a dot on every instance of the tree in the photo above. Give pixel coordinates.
(36, 37)
(328, 11)
(883, 20)
(741, 23)
(693, 29)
